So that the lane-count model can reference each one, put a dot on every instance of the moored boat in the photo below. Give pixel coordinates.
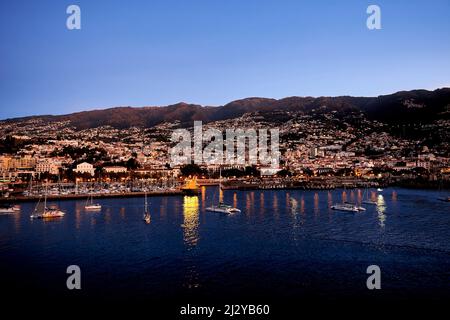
(7, 210)
(223, 208)
(367, 200)
(47, 213)
(91, 206)
(345, 207)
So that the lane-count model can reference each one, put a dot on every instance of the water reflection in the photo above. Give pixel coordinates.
(77, 215)
(381, 208)
(203, 193)
(294, 205)
(17, 224)
(248, 203)
(316, 203)
(330, 199)
(261, 203)
(344, 196)
(107, 215)
(190, 236)
(275, 204)
(163, 209)
(190, 220)
(394, 195)
(352, 196)
(302, 206)
(287, 202)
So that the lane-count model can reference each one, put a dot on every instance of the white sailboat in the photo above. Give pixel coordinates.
(367, 200)
(344, 207)
(90, 205)
(222, 207)
(146, 217)
(47, 213)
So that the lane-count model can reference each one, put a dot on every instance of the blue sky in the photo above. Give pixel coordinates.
(210, 52)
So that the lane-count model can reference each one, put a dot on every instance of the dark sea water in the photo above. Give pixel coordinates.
(283, 245)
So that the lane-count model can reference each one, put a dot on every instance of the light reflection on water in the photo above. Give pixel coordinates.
(190, 220)
(330, 199)
(316, 204)
(294, 205)
(381, 209)
(275, 205)
(302, 205)
(344, 196)
(191, 237)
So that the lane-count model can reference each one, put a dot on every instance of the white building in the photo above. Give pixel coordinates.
(47, 166)
(115, 169)
(85, 168)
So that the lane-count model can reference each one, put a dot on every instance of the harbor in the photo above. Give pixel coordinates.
(179, 251)
(188, 186)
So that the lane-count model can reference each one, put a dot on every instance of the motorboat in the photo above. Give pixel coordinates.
(7, 210)
(345, 207)
(223, 208)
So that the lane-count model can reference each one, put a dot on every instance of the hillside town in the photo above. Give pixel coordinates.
(325, 145)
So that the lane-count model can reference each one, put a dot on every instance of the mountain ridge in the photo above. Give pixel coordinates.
(413, 105)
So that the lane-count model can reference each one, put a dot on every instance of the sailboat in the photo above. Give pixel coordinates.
(90, 205)
(367, 200)
(345, 207)
(146, 212)
(47, 213)
(222, 207)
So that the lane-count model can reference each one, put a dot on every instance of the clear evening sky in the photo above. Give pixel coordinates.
(210, 52)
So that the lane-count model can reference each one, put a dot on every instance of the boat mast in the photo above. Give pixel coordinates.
(146, 204)
(45, 197)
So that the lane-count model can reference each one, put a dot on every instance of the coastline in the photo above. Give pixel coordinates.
(242, 185)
